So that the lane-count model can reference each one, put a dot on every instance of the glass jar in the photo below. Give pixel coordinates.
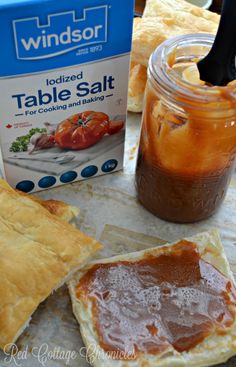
(188, 138)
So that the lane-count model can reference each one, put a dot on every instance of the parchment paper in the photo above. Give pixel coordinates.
(111, 213)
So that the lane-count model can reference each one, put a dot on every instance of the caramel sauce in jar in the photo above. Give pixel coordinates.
(188, 139)
(173, 300)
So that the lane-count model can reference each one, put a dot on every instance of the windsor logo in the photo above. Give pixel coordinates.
(62, 33)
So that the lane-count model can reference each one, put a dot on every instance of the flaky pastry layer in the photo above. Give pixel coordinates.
(162, 20)
(38, 252)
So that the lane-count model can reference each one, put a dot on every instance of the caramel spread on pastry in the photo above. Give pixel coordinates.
(174, 299)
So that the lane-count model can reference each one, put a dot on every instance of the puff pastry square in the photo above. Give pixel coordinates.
(150, 32)
(56, 207)
(168, 7)
(137, 85)
(162, 20)
(214, 349)
(38, 252)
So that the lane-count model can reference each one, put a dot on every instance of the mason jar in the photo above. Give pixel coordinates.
(188, 138)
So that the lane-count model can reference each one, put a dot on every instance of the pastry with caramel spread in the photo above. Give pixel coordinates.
(173, 305)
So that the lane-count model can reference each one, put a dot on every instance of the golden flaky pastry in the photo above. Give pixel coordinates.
(214, 349)
(165, 7)
(151, 32)
(163, 19)
(137, 84)
(59, 208)
(39, 252)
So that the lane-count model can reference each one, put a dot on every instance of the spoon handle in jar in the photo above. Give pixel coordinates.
(218, 67)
